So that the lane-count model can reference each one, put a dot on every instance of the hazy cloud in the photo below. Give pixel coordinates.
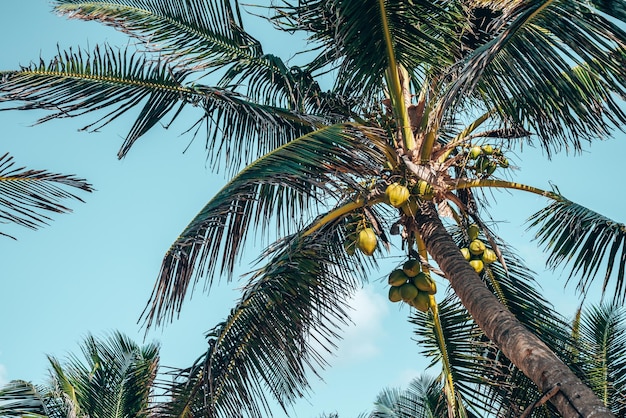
(361, 339)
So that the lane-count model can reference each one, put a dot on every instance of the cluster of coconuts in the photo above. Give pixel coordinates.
(477, 252)
(411, 285)
(486, 159)
(362, 237)
(406, 197)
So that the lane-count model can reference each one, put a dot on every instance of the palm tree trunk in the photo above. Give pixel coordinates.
(573, 399)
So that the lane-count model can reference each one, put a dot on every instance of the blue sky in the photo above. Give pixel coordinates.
(92, 271)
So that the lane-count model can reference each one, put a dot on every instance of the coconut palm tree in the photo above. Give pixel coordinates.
(28, 196)
(428, 97)
(116, 378)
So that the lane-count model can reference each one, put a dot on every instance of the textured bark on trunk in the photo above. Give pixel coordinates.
(574, 399)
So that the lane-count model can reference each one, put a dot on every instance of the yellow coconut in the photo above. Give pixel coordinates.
(397, 194)
(367, 241)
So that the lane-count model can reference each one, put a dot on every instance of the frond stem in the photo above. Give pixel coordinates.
(460, 138)
(504, 184)
(342, 210)
(447, 370)
(395, 87)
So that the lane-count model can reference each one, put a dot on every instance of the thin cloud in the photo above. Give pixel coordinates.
(361, 340)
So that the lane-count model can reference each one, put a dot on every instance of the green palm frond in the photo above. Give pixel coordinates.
(26, 196)
(463, 346)
(74, 84)
(423, 34)
(196, 30)
(603, 350)
(617, 9)
(202, 35)
(554, 66)
(19, 398)
(280, 187)
(423, 398)
(584, 239)
(288, 317)
(114, 379)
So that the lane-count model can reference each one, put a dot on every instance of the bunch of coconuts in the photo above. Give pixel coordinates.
(477, 253)
(411, 285)
(486, 159)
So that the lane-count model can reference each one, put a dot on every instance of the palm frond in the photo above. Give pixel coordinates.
(288, 317)
(203, 34)
(282, 186)
(584, 239)
(26, 196)
(113, 379)
(603, 350)
(555, 67)
(204, 31)
(423, 34)
(19, 398)
(76, 83)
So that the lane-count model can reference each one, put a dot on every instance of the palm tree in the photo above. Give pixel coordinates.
(28, 196)
(427, 94)
(116, 378)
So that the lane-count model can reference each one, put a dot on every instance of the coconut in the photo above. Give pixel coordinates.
(489, 256)
(411, 267)
(423, 190)
(397, 278)
(425, 283)
(367, 241)
(476, 247)
(394, 294)
(477, 265)
(397, 194)
(475, 151)
(473, 231)
(466, 253)
(408, 291)
(421, 302)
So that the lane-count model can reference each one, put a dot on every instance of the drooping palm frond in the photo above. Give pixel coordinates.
(282, 186)
(76, 83)
(203, 35)
(204, 31)
(463, 347)
(553, 66)
(423, 33)
(26, 196)
(288, 317)
(603, 351)
(584, 239)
